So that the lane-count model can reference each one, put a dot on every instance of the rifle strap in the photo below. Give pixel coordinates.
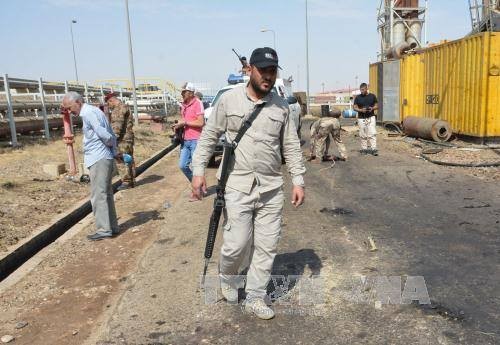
(247, 123)
(229, 149)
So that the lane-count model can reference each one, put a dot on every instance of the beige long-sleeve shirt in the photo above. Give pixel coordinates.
(257, 157)
(326, 126)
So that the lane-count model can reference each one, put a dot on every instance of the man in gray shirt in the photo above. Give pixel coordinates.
(99, 148)
(254, 190)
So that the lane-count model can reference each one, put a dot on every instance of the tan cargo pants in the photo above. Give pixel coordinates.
(321, 145)
(251, 220)
(368, 132)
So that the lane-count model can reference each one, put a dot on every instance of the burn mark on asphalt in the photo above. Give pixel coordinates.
(336, 211)
(166, 240)
(436, 308)
(481, 205)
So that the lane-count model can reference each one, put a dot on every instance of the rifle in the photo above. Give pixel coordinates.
(220, 202)
(242, 59)
(178, 137)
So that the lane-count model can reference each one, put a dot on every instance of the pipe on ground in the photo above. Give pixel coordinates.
(426, 128)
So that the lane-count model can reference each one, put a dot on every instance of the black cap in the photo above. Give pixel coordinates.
(264, 57)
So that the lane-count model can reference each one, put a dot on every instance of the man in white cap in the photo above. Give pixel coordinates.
(192, 122)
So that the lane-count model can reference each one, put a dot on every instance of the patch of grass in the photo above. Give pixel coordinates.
(144, 133)
(8, 185)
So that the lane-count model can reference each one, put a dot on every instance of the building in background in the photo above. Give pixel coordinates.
(340, 97)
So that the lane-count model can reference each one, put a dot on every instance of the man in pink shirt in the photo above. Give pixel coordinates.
(192, 121)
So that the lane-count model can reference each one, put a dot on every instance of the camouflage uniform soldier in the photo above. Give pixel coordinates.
(320, 132)
(122, 123)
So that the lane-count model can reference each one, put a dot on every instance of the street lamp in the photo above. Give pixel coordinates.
(307, 61)
(132, 73)
(73, 43)
(274, 36)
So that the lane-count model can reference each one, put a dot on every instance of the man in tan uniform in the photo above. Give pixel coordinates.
(320, 132)
(122, 123)
(254, 190)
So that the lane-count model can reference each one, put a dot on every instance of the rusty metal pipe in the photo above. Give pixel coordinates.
(426, 128)
(69, 139)
(29, 105)
(25, 126)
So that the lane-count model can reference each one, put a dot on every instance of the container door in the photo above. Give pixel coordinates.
(390, 93)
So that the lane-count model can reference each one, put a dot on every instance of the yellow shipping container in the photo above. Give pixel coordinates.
(458, 81)
(373, 78)
(375, 81)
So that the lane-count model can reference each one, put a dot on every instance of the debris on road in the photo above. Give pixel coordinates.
(371, 242)
(7, 338)
(21, 324)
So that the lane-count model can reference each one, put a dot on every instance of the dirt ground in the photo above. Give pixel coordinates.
(65, 296)
(30, 198)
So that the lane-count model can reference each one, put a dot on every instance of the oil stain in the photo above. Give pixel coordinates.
(336, 211)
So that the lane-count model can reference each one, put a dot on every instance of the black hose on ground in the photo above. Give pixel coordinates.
(464, 165)
(437, 143)
(450, 145)
(426, 151)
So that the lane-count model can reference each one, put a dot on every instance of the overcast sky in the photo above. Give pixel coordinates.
(192, 39)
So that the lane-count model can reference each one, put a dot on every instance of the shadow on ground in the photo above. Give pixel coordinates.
(149, 179)
(289, 268)
(140, 218)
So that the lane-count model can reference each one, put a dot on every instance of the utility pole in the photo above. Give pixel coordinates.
(298, 77)
(73, 43)
(274, 36)
(132, 73)
(307, 61)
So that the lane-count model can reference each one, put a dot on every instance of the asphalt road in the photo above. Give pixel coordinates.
(431, 222)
